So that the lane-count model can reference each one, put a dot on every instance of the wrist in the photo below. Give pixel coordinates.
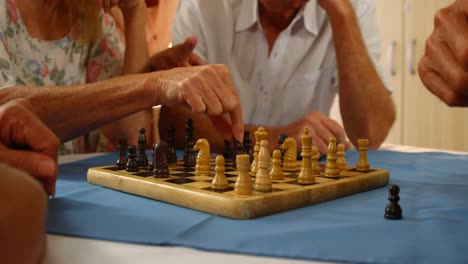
(338, 11)
(136, 10)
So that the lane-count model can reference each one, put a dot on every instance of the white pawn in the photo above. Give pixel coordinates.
(331, 169)
(219, 182)
(243, 184)
(340, 157)
(277, 172)
(263, 179)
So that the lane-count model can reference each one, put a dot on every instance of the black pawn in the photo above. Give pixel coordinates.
(393, 210)
(189, 153)
(132, 163)
(247, 144)
(122, 146)
(280, 142)
(228, 151)
(171, 155)
(142, 159)
(161, 167)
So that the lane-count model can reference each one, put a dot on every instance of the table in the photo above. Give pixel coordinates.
(63, 249)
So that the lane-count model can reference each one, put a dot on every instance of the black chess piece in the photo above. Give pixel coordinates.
(171, 155)
(142, 159)
(122, 144)
(151, 161)
(393, 210)
(189, 153)
(228, 151)
(238, 149)
(247, 143)
(160, 163)
(280, 142)
(132, 163)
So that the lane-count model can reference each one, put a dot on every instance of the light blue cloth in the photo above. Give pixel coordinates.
(434, 228)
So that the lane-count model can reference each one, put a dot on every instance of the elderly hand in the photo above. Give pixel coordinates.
(208, 89)
(444, 66)
(180, 55)
(26, 143)
(321, 129)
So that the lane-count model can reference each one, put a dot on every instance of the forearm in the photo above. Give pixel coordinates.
(136, 58)
(204, 128)
(70, 111)
(366, 105)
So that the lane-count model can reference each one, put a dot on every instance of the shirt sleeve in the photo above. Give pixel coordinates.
(106, 54)
(366, 13)
(187, 23)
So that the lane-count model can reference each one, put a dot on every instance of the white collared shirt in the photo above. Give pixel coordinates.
(300, 74)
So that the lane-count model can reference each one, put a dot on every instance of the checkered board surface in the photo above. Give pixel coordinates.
(184, 188)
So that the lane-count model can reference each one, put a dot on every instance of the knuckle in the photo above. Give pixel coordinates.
(440, 17)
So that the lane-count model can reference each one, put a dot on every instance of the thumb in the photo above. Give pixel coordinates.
(185, 49)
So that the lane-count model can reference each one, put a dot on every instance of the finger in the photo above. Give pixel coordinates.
(223, 126)
(317, 141)
(195, 60)
(452, 26)
(21, 127)
(186, 49)
(322, 132)
(36, 164)
(436, 85)
(444, 62)
(336, 130)
(192, 97)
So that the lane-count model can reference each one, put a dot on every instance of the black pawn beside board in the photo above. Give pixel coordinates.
(160, 163)
(393, 210)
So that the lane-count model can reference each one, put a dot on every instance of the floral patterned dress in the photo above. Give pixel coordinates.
(25, 60)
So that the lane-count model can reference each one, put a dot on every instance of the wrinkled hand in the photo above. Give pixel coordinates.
(26, 143)
(321, 129)
(444, 66)
(180, 55)
(208, 89)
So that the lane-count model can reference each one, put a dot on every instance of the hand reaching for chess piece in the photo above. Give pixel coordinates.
(321, 129)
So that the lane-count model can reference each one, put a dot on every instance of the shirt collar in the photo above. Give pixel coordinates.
(313, 16)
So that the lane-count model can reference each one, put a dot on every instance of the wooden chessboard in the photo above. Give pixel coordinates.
(186, 189)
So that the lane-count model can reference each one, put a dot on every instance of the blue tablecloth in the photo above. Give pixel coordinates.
(434, 228)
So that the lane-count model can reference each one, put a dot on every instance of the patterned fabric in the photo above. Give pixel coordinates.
(25, 60)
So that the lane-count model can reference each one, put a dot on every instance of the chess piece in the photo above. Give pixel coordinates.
(219, 182)
(316, 169)
(160, 163)
(260, 135)
(290, 155)
(277, 172)
(243, 184)
(393, 210)
(189, 153)
(171, 155)
(151, 161)
(340, 157)
(281, 139)
(202, 166)
(122, 145)
(362, 164)
(263, 178)
(132, 163)
(238, 149)
(306, 176)
(142, 159)
(228, 151)
(247, 143)
(331, 169)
